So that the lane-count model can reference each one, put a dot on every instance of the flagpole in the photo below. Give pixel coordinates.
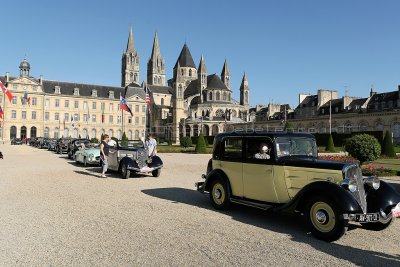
(145, 114)
(330, 115)
(3, 117)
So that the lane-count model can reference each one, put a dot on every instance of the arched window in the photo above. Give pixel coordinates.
(129, 135)
(23, 132)
(204, 96)
(137, 134)
(56, 130)
(119, 135)
(84, 133)
(155, 80)
(218, 96)
(396, 130)
(135, 77)
(224, 96)
(66, 132)
(159, 80)
(379, 127)
(162, 101)
(111, 133)
(13, 132)
(190, 73)
(76, 133)
(94, 133)
(180, 91)
(33, 131)
(142, 133)
(131, 76)
(182, 72)
(46, 132)
(210, 96)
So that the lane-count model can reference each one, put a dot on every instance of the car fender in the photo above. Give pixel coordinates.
(385, 198)
(156, 162)
(132, 165)
(343, 198)
(214, 174)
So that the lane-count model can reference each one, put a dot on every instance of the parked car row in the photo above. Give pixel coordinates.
(126, 157)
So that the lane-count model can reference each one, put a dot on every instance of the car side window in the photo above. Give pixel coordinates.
(259, 149)
(232, 149)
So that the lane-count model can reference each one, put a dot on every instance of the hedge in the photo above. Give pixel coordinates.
(340, 138)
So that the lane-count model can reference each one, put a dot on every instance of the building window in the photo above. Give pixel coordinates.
(136, 120)
(66, 116)
(93, 118)
(33, 115)
(15, 87)
(85, 118)
(144, 108)
(182, 72)
(14, 100)
(94, 105)
(136, 134)
(103, 106)
(66, 103)
(129, 119)
(57, 90)
(76, 91)
(76, 117)
(111, 94)
(94, 93)
(85, 105)
(13, 114)
(224, 96)
(137, 108)
(57, 116)
(57, 103)
(23, 115)
(143, 120)
(47, 103)
(210, 96)
(218, 96)
(190, 73)
(46, 132)
(111, 119)
(56, 130)
(162, 101)
(111, 107)
(76, 104)
(46, 116)
(94, 133)
(118, 119)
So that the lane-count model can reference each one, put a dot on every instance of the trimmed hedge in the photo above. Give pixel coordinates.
(201, 145)
(363, 147)
(339, 139)
(387, 146)
(210, 139)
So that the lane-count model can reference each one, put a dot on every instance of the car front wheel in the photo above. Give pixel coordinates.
(125, 172)
(156, 173)
(325, 220)
(219, 194)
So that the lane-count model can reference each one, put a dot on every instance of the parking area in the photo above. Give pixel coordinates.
(55, 212)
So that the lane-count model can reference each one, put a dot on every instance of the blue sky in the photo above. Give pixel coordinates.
(285, 47)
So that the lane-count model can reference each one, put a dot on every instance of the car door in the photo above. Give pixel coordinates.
(258, 171)
(113, 158)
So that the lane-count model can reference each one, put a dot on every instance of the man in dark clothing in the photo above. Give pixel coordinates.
(104, 151)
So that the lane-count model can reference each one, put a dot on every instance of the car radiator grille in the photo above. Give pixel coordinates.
(359, 194)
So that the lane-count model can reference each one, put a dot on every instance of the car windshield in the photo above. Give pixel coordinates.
(295, 146)
(130, 143)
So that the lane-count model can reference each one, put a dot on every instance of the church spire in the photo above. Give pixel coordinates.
(156, 65)
(225, 75)
(129, 47)
(244, 91)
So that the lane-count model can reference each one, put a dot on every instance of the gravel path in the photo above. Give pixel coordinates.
(56, 213)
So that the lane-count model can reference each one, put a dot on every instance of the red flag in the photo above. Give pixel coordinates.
(102, 115)
(1, 113)
(124, 105)
(5, 90)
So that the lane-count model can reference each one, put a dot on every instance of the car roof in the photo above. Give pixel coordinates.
(261, 134)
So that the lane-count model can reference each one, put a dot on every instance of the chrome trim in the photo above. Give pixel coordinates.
(355, 173)
(373, 181)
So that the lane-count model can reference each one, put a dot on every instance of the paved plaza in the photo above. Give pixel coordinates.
(54, 212)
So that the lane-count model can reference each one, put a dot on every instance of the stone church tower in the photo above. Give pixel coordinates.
(202, 77)
(156, 65)
(130, 63)
(226, 76)
(244, 91)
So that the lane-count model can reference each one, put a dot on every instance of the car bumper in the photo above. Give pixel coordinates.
(381, 217)
(201, 185)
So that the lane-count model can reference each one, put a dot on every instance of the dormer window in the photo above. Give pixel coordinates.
(57, 90)
(111, 94)
(94, 92)
(76, 91)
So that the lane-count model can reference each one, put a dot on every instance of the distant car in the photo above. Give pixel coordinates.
(62, 145)
(131, 156)
(17, 141)
(89, 155)
(292, 178)
(74, 146)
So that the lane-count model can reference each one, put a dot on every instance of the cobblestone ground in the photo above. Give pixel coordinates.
(56, 213)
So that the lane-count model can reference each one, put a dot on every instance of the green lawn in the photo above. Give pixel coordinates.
(179, 149)
(393, 164)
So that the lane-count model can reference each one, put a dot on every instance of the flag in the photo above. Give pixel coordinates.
(6, 91)
(1, 113)
(148, 100)
(124, 105)
(25, 99)
(102, 115)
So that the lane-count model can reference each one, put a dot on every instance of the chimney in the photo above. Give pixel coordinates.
(7, 77)
(41, 80)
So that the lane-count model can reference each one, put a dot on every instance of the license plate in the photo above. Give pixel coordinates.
(369, 217)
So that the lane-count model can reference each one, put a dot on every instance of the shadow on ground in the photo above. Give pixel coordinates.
(290, 224)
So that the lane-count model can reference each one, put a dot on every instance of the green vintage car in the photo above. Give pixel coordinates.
(281, 171)
(89, 154)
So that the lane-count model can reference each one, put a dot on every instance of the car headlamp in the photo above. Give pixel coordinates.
(91, 156)
(373, 182)
(351, 184)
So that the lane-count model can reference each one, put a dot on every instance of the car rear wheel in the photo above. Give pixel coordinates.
(377, 226)
(125, 172)
(156, 173)
(324, 219)
(219, 194)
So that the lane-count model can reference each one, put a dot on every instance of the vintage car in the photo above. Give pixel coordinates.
(75, 144)
(17, 141)
(292, 178)
(62, 145)
(90, 154)
(131, 156)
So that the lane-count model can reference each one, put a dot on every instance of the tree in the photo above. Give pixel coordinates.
(363, 147)
(330, 146)
(388, 148)
(186, 141)
(201, 145)
(124, 141)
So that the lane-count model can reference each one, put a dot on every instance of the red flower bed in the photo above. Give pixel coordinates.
(348, 159)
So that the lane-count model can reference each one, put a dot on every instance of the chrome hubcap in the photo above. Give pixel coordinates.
(321, 216)
(217, 194)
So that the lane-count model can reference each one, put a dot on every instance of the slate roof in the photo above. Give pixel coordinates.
(130, 91)
(185, 58)
(307, 102)
(161, 89)
(215, 82)
(389, 96)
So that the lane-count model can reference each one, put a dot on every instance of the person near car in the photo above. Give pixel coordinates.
(104, 151)
(151, 145)
(263, 152)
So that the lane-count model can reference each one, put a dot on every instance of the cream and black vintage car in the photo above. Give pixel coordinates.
(281, 171)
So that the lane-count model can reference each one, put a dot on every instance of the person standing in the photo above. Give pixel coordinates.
(104, 151)
(151, 145)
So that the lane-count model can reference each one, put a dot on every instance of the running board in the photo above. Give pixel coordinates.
(252, 204)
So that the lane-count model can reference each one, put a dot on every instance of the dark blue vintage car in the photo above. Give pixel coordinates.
(131, 156)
